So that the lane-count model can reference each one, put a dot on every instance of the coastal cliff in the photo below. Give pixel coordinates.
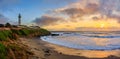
(10, 45)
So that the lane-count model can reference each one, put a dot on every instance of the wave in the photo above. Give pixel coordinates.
(86, 40)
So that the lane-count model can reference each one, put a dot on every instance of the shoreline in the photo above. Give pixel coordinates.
(45, 50)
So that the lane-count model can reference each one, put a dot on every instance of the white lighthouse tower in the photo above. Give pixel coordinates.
(19, 19)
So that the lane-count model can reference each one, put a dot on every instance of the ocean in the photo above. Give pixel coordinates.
(86, 40)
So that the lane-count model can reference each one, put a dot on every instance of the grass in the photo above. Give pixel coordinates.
(2, 51)
(27, 32)
(14, 47)
(6, 34)
(13, 34)
(2, 37)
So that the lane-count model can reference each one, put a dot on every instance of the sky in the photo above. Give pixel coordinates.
(63, 14)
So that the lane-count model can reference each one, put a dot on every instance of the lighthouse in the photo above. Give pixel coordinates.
(19, 19)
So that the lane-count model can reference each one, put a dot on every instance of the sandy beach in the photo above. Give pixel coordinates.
(45, 50)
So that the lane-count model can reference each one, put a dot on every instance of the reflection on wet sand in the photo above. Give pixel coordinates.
(85, 53)
(101, 41)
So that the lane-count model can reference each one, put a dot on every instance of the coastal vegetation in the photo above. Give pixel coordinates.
(10, 47)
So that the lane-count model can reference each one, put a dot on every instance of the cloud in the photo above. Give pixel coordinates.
(79, 9)
(107, 7)
(91, 8)
(47, 20)
(83, 13)
(110, 8)
(69, 13)
(73, 12)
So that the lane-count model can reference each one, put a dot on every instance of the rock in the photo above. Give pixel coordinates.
(60, 53)
(46, 50)
(47, 54)
(54, 34)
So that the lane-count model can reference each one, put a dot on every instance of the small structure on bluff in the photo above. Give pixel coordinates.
(19, 19)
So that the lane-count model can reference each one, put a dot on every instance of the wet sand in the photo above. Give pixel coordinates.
(45, 50)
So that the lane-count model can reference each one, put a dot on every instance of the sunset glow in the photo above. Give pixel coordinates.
(60, 29)
(103, 24)
(72, 15)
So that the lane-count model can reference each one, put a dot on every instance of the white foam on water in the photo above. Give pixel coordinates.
(87, 40)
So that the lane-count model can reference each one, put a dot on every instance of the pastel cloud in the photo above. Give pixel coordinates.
(80, 13)
(47, 20)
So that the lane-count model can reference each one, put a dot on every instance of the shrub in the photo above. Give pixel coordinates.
(16, 31)
(8, 25)
(44, 32)
(25, 32)
(1, 25)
